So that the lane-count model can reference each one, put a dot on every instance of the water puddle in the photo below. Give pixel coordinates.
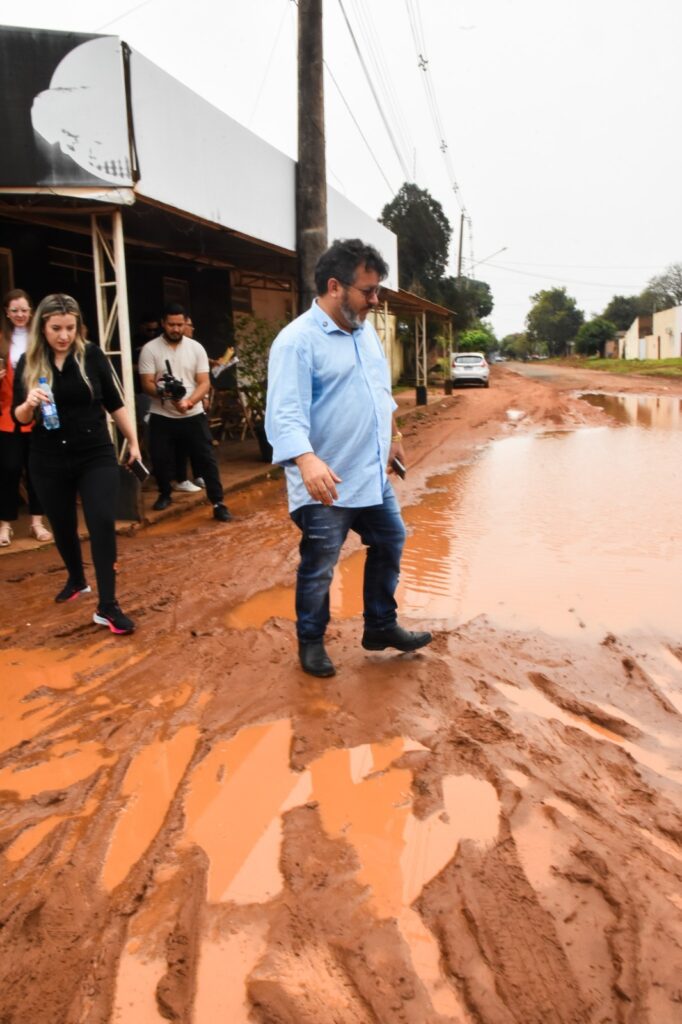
(30, 681)
(233, 809)
(539, 705)
(57, 772)
(225, 963)
(552, 531)
(649, 411)
(136, 983)
(148, 787)
(361, 797)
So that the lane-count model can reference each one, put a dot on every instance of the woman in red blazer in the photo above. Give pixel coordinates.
(15, 440)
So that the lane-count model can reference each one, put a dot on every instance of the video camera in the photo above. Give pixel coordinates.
(168, 386)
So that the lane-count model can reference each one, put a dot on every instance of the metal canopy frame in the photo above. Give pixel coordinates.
(111, 297)
(421, 373)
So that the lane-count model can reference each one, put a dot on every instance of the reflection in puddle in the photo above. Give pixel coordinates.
(149, 785)
(235, 816)
(225, 963)
(657, 411)
(370, 805)
(136, 984)
(542, 532)
(362, 798)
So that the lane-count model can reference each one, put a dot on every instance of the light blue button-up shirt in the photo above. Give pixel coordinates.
(329, 392)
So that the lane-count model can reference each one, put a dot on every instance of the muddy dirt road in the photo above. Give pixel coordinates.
(486, 832)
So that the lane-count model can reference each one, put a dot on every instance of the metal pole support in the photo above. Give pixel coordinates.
(421, 396)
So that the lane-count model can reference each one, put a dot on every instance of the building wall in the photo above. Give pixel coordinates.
(271, 305)
(227, 175)
(666, 327)
(639, 339)
(630, 342)
(393, 350)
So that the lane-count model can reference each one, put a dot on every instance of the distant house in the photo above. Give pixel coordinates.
(633, 343)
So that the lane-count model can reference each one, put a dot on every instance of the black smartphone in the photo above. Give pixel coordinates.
(398, 468)
(139, 469)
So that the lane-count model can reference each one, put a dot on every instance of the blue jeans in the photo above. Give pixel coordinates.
(324, 529)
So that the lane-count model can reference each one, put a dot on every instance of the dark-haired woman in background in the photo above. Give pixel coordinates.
(15, 440)
(77, 457)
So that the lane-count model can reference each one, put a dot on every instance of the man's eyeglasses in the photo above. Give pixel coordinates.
(376, 290)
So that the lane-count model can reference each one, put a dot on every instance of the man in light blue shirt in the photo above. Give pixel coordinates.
(329, 420)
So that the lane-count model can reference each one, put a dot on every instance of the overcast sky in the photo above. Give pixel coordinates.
(561, 119)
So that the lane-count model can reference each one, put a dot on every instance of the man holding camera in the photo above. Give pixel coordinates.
(174, 373)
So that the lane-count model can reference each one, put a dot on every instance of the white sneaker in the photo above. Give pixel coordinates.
(187, 486)
(199, 481)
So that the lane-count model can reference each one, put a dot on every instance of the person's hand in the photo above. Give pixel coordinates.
(36, 397)
(133, 453)
(319, 480)
(396, 451)
(3, 373)
(182, 405)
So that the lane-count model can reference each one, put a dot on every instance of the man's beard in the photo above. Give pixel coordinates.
(352, 319)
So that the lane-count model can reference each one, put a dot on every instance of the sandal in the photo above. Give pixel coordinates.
(6, 534)
(40, 532)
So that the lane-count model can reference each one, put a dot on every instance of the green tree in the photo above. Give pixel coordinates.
(516, 346)
(471, 300)
(479, 338)
(622, 310)
(423, 233)
(592, 336)
(666, 288)
(554, 318)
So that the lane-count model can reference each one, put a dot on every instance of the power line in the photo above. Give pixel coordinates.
(285, 14)
(355, 122)
(387, 126)
(372, 46)
(584, 266)
(561, 280)
(417, 30)
(120, 17)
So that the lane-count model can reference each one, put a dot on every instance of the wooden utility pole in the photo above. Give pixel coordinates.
(311, 177)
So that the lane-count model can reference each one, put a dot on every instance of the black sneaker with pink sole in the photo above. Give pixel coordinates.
(111, 616)
(71, 591)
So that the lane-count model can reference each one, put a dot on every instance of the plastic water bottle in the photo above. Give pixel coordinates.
(49, 409)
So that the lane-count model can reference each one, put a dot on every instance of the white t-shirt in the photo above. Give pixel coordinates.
(187, 359)
(18, 346)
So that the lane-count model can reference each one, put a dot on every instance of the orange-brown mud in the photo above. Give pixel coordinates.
(487, 832)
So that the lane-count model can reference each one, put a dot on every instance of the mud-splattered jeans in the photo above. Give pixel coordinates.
(324, 529)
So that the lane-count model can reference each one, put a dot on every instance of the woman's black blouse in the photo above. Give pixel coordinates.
(82, 423)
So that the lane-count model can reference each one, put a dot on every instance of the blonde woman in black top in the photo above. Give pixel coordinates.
(77, 457)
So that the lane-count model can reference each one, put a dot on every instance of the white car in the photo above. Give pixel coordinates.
(470, 368)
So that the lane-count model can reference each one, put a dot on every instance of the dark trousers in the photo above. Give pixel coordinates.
(14, 449)
(93, 475)
(167, 436)
(324, 528)
(181, 474)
